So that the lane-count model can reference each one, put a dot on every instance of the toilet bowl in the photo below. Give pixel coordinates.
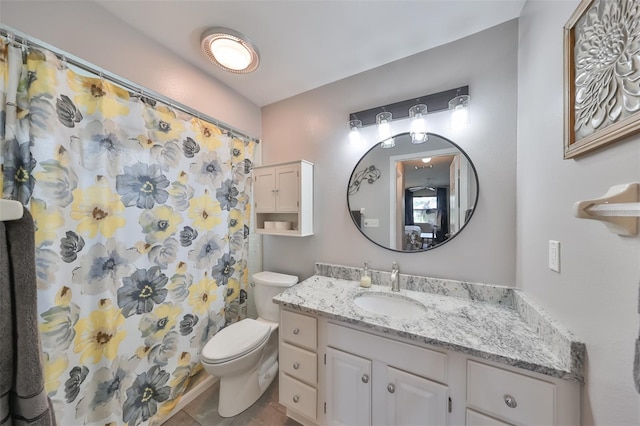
(244, 355)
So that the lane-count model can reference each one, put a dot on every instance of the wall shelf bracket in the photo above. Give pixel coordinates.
(619, 209)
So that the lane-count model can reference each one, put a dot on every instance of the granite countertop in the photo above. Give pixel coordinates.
(505, 329)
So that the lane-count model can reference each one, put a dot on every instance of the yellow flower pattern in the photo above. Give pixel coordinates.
(96, 95)
(137, 263)
(47, 221)
(202, 294)
(100, 334)
(54, 367)
(205, 212)
(206, 134)
(98, 209)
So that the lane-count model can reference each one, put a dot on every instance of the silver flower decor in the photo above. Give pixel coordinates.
(602, 62)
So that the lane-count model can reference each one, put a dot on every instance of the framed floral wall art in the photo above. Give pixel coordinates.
(602, 74)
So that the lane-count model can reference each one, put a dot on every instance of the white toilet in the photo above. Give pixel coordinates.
(244, 355)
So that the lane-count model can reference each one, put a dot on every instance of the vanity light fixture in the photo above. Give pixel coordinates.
(354, 132)
(230, 50)
(418, 113)
(384, 129)
(459, 107)
(416, 109)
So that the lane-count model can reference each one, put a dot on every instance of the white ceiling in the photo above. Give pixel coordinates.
(306, 44)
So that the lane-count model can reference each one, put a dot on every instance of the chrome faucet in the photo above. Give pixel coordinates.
(395, 277)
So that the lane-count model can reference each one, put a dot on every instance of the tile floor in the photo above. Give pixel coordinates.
(203, 411)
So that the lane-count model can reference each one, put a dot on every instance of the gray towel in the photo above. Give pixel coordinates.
(23, 399)
(636, 360)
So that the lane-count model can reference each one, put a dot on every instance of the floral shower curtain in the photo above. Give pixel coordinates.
(141, 217)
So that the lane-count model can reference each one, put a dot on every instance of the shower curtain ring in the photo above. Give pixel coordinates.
(64, 62)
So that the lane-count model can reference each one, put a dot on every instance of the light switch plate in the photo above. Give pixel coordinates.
(554, 255)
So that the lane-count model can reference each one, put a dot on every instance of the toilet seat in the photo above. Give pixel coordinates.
(235, 340)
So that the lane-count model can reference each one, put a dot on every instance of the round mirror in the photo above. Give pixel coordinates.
(412, 197)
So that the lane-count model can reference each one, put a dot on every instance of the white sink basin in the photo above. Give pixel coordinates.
(390, 305)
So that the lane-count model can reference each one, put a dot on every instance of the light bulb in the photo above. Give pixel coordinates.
(354, 133)
(354, 136)
(231, 53)
(418, 127)
(459, 107)
(384, 129)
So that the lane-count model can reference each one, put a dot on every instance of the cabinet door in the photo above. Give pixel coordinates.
(476, 419)
(414, 400)
(348, 393)
(264, 194)
(288, 189)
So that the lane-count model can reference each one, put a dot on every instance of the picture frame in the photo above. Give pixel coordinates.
(602, 84)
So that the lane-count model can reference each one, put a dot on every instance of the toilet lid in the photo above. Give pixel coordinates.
(235, 340)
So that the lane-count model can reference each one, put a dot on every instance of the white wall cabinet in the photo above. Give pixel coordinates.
(283, 194)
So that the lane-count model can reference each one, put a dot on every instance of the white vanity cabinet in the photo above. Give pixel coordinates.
(371, 380)
(283, 195)
(509, 397)
(348, 388)
(364, 378)
(298, 361)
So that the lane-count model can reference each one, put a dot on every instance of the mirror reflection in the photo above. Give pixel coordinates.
(413, 197)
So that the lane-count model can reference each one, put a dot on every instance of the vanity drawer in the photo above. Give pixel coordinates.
(476, 419)
(298, 329)
(298, 396)
(299, 363)
(489, 390)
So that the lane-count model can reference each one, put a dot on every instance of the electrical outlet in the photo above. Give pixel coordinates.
(371, 223)
(554, 255)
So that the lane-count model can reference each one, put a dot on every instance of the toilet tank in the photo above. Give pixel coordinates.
(267, 285)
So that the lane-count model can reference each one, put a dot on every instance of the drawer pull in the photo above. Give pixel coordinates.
(365, 378)
(296, 398)
(296, 331)
(510, 401)
(391, 388)
(296, 365)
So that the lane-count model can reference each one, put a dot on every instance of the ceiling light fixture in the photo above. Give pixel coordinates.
(426, 160)
(418, 113)
(230, 50)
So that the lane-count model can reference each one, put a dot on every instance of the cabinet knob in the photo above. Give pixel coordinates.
(296, 398)
(510, 401)
(296, 365)
(365, 378)
(391, 388)
(296, 331)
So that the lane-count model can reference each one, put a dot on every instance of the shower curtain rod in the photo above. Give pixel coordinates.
(18, 39)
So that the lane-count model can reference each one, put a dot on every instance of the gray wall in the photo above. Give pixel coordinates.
(596, 292)
(313, 126)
